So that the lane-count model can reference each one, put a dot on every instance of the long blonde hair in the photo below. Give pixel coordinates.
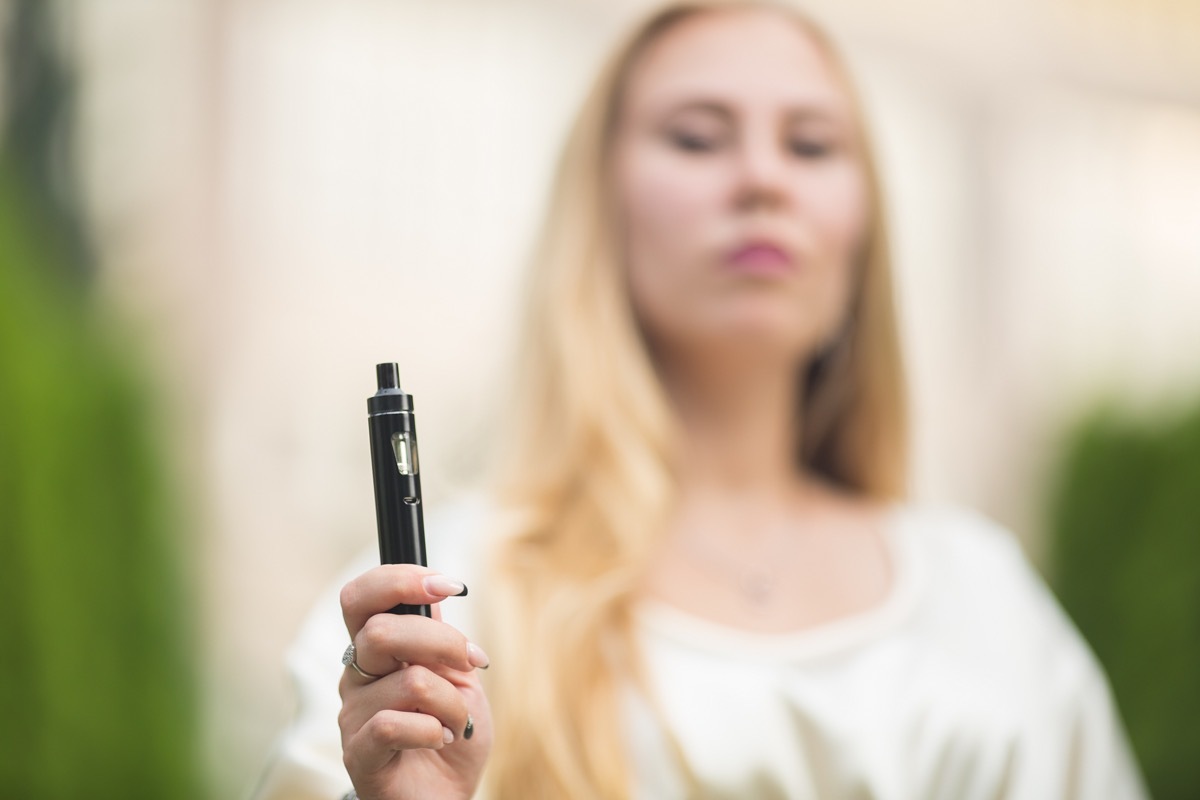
(586, 484)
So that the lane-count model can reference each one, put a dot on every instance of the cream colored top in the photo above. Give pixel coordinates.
(967, 682)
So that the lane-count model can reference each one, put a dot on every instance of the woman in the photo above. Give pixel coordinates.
(701, 579)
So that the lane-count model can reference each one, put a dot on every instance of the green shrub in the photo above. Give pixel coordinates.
(96, 679)
(97, 685)
(1124, 559)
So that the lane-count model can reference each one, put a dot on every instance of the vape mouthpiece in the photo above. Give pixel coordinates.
(388, 375)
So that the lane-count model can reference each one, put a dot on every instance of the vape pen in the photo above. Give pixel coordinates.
(397, 476)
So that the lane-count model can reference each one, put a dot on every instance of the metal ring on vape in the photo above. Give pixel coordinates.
(348, 660)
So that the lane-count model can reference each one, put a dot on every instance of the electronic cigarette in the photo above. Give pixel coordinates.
(397, 476)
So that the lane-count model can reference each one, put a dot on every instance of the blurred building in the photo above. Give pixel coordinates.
(286, 192)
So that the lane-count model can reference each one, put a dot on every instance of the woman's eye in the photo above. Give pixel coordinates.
(809, 148)
(694, 142)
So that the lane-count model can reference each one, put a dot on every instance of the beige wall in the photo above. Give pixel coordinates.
(288, 191)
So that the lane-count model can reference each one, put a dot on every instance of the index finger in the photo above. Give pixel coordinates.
(384, 587)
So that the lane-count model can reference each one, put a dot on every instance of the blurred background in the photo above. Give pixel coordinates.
(217, 215)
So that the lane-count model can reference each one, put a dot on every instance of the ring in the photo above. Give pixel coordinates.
(470, 729)
(348, 660)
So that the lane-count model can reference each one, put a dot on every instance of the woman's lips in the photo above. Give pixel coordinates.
(760, 258)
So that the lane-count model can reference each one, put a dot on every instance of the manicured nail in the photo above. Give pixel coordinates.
(469, 731)
(447, 735)
(444, 587)
(477, 657)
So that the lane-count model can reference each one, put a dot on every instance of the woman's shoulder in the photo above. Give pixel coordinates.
(979, 589)
(967, 553)
(957, 532)
(994, 636)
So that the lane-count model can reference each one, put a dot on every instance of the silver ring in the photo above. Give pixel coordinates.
(348, 660)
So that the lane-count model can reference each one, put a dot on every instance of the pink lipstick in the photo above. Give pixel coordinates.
(760, 258)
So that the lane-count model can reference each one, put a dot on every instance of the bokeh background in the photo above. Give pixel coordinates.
(217, 215)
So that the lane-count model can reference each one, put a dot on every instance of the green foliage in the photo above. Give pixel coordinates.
(96, 682)
(1125, 562)
(97, 689)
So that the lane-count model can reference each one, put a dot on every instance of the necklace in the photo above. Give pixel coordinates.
(757, 581)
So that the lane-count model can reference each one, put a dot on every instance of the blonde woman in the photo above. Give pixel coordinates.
(698, 575)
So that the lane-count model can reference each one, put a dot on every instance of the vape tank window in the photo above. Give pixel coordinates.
(405, 448)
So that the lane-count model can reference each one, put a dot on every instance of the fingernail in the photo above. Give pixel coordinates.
(444, 587)
(477, 657)
(447, 735)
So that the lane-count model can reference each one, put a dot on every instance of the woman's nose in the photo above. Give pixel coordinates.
(761, 173)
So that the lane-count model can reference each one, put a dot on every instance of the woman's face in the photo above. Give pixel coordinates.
(739, 187)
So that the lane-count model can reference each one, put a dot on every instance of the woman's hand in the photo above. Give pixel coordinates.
(421, 729)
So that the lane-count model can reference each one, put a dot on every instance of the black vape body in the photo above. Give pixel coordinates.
(396, 472)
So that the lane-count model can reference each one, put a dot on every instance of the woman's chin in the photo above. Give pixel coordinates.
(752, 341)
(745, 331)
(765, 330)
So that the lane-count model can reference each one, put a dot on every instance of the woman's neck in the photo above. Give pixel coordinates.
(740, 423)
(755, 542)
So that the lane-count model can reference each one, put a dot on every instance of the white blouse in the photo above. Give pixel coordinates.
(967, 682)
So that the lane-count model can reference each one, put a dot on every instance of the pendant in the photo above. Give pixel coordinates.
(757, 587)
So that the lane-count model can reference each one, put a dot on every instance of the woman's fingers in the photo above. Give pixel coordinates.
(387, 586)
(414, 686)
(386, 642)
(388, 732)
(417, 691)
